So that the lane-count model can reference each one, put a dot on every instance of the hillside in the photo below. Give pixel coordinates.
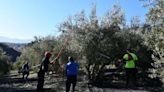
(11, 50)
(15, 46)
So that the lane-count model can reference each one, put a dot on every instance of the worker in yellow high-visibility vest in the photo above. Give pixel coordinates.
(130, 67)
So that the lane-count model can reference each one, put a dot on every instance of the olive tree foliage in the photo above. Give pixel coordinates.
(154, 38)
(97, 42)
(4, 63)
(34, 51)
(135, 22)
(155, 14)
(155, 41)
(81, 31)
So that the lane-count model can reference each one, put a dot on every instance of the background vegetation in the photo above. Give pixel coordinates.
(98, 43)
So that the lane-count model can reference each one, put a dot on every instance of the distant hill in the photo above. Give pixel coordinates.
(15, 46)
(13, 40)
(12, 50)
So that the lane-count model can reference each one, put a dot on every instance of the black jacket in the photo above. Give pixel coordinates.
(44, 65)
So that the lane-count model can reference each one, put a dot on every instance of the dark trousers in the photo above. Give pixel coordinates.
(131, 74)
(40, 84)
(25, 73)
(71, 80)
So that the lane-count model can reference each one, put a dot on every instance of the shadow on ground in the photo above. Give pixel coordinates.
(9, 80)
(150, 85)
(5, 89)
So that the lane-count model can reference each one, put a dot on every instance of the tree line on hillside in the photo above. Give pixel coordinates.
(8, 56)
(9, 51)
(97, 42)
(4, 63)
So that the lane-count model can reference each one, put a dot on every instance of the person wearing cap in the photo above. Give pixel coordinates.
(71, 74)
(130, 67)
(43, 69)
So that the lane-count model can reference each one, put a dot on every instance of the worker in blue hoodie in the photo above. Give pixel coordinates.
(71, 74)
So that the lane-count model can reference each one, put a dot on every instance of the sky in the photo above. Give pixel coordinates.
(24, 19)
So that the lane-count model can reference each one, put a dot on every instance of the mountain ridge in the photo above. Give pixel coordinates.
(12, 50)
(13, 40)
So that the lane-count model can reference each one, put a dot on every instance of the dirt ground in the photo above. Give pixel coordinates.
(13, 82)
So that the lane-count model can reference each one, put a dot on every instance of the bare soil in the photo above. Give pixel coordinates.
(13, 82)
